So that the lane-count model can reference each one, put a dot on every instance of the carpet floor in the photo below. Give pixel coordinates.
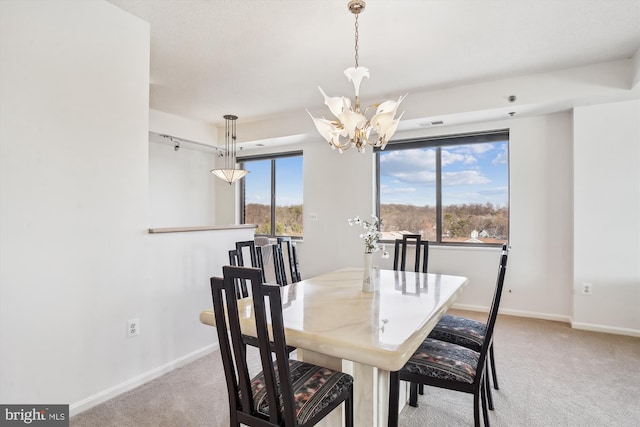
(549, 375)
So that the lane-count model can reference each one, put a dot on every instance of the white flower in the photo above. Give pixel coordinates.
(371, 235)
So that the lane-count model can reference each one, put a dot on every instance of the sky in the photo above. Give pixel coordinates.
(288, 179)
(474, 173)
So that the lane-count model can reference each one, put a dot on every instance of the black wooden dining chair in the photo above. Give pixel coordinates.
(286, 392)
(446, 365)
(421, 252)
(256, 260)
(242, 290)
(241, 285)
(278, 265)
(468, 333)
(289, 251)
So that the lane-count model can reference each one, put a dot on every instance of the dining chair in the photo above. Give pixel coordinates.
(261, 240)
(468, 333)
(454, 367)
(400, 252)
(241, 285)
(286, 392)
(242, 291)
(289, 247)
(278, 265)
(256, 261)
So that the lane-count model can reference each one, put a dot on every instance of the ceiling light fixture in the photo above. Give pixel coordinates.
(230, 174)
(352, 124)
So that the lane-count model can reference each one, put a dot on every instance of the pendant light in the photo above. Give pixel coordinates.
(229, 173)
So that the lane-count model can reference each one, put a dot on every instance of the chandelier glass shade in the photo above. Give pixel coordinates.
(352, 127)
(229, 173)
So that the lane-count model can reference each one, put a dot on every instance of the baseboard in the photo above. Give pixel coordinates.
(517, 313)
(469, 307)
(132, 383)
(606, 329)
(555, 317)
(536, 315)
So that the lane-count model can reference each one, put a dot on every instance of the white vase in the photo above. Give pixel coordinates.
(368, 284)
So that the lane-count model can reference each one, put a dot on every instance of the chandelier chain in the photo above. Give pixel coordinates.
(356, 39)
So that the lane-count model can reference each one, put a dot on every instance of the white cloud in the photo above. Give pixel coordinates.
(408, 161)
(481, 148)
(403, 190)
(501, 158)
(450, 157)
(469, 177)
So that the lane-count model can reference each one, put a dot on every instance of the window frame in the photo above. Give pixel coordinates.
(272, 157)
(438, 142)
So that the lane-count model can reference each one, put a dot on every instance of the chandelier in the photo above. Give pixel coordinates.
(230, 174)
(352, 127)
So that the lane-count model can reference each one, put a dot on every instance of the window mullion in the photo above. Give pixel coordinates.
(242, 198)
(439, 195)
(273, 197)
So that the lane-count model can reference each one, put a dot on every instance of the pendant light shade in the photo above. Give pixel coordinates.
(230, 175)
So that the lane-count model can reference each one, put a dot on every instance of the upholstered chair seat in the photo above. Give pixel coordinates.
(443, 360)
(314, 388)
(460, 330)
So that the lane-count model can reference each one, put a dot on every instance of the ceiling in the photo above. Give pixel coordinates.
(264, 58)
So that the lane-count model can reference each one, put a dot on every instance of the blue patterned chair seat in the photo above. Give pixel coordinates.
(314, 388)
(460, 330)
(443, 360)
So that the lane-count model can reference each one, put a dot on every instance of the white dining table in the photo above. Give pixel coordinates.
(366, 334)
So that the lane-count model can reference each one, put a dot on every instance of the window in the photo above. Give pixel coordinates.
(271, 195)
(451, 190)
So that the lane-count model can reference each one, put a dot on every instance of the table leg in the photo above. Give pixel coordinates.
(371, 394)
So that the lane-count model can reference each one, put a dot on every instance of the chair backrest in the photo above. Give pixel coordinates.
(241, 285)
(493, 313)
(278, 265)
(261, 240)
(288, 248)
(233, 350)
(400, 252)
(256, 261)
(233, 257)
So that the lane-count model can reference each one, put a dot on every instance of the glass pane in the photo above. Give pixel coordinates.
(408, 193)
(289, 196)
(475, 195)
(257, 193)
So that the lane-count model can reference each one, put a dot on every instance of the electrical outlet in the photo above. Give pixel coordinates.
(133, 328)
(586, 288)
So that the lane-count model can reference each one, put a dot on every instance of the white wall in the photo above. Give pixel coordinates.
(192, 130)
(181, 186)
(76, 261)
(182, 190)
(606, 160)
